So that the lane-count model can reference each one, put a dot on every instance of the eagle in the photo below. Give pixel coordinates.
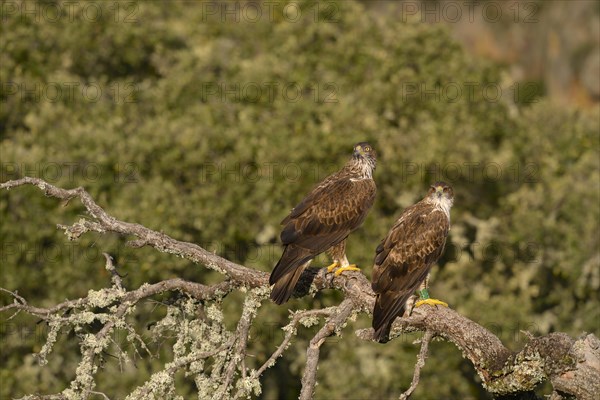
(323, 220)
(405, 257)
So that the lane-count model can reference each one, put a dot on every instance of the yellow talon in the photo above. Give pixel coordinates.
(332, 267)
(431, 302)
(351, 267)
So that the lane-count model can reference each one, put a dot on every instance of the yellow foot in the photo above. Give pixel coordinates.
(351, 267)
(431, 302)
(332, 267)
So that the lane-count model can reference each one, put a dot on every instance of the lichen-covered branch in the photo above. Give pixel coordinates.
(571, 365)
(334, 324)
(502, 371)
(419, 365)
(306, 317)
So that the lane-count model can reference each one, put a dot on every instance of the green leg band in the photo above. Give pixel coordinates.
(423, 294)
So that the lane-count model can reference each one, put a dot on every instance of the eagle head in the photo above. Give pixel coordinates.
(442, 195)
(441, 189)
(363, 151)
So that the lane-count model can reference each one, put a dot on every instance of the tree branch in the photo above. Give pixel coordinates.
(571, 365)
(420, 364)
(333, 325)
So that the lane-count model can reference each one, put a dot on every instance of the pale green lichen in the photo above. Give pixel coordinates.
(525, 373)
(199, 332)
(95, 344)
(309, 321)
(84, 318)
(74, 231)
(160, 385)
(104, 297)
(84, 374)
(248, 386)
(290, 328)
(262, 292)
(204, 386)
(214, 313)
(54, 328)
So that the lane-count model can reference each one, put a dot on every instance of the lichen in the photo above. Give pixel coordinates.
(309, 321)
(248, 386)
(104, 297)
(54, 328)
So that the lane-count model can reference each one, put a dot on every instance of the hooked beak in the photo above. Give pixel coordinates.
(439, 191)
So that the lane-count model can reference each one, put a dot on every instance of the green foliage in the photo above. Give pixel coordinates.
(197, 132)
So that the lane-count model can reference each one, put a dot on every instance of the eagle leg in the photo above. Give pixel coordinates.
(351, 267)
(424, 296)
(338, 255)
(431, 302)
(333, 266)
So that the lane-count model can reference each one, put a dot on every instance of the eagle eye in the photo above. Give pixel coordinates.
(367, 148)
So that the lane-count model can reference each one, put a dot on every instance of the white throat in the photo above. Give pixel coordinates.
(366, 171)
(443, 204)
(363, 169)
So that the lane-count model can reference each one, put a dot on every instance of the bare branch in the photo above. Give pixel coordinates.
(419, 365)
(290, 330)
(333, 325)
(106, 223)
(115, 277)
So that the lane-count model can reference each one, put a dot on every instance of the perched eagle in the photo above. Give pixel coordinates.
(404, 258)
(323, 220)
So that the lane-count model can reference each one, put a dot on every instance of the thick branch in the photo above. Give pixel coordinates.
(106, 223)
(572, 364)
(196, 290)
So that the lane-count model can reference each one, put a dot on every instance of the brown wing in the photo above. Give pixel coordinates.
(324, 218)
(328, 216)
(403, 260)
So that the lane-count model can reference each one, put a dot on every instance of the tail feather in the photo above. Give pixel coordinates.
(388, 306)
(284, 286)
(292, 258)
(286, 273)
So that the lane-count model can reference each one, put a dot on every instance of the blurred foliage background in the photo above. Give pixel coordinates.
(209, 120)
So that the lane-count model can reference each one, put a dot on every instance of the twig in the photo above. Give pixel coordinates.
(238, 352)
(290, 331)
(115, 277)
(196, 290)
(179, 363)
(420, 364)
(333, 324)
